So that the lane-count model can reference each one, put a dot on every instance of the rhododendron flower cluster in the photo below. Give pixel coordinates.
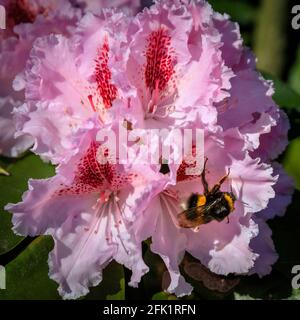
(175, 65)
(27, 20)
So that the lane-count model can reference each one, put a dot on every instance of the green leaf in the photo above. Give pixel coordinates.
(27, 275)
(11, 190)
(295, 295)
(238, 296)
(294, 77)
(284, 95)
(119, 295)
(112, 286)
(163, 296)
(291, 161)
(241, 12)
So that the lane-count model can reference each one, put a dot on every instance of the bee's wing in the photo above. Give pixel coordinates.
(192, 217)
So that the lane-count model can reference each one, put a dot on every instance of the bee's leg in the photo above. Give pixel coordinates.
(227, 219)
(203, 177)
(217, 186)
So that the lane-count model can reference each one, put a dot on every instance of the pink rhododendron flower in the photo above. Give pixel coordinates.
(27, 21)
(76, 87)
(168, 88)
(176, 65)
(261, 122)
(223, 247)
(84, 208)
(129, 79)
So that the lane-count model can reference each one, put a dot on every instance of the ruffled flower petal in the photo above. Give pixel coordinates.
(253, 183)
(10, 144)
(225, 248)
(284, 189)
(263, 246)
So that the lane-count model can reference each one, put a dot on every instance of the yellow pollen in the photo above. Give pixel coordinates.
(201, 201)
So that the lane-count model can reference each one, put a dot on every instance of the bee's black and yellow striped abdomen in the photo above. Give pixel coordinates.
(213, 204)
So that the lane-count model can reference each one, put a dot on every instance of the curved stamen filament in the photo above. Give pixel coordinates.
(108, 208)
(118, 222)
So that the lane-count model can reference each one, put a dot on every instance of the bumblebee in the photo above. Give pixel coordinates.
(212, 205)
